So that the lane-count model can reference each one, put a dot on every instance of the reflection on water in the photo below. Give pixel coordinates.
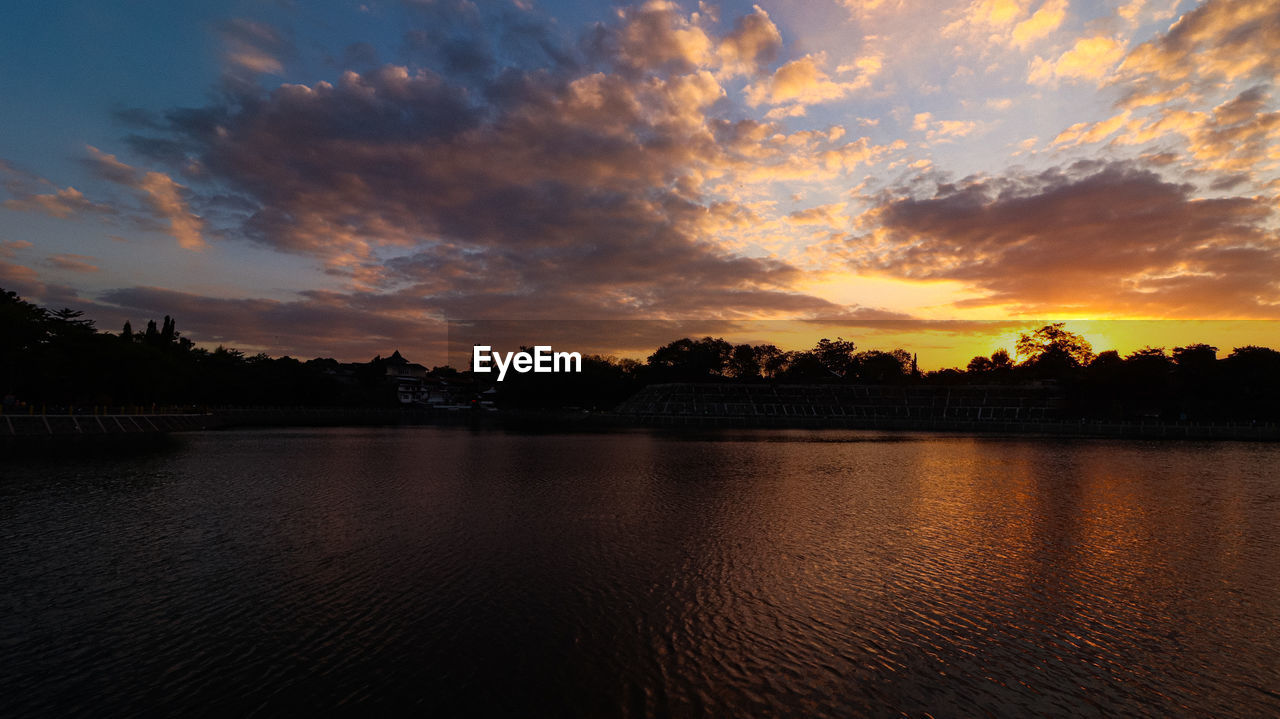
(731, 574)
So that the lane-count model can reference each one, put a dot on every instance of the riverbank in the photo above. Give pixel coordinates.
(53, 431)
(1042, 428)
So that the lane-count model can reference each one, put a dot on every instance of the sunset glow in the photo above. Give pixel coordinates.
(340, 180)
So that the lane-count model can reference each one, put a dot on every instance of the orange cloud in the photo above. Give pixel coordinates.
(754, 42)
(941, 130)
(802, 82)
(1092, 238)
(26, 196)
(1221, 39)
(1046, 19)
(63, 203)
(657, 35)
(161, 195)
(165, 197)
(1083, 133)
(1091, 58)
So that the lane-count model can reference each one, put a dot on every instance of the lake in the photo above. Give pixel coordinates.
(451, 572)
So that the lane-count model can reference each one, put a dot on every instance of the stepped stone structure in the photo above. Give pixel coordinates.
(90, 425)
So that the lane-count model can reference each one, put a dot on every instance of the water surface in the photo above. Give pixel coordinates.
(763, 573)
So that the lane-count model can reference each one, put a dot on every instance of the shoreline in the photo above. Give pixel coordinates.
(55, 431)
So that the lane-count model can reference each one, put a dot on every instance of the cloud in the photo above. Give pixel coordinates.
(862, 8)
(1006, 23)
(25, 193)
(315, 325)
(573, 189)
(941, 130)
(753, 43)
(254, 48)
(21, 279)
(1111, 239)
(831, 215)
(162, 199)
(1238, 136)
(1046, 19)
(72, 263)
(64, 203)
(1090, 58)
(994, 13)
(1186, 83)
(1139, 12)
(165, 197)
(160, 194)
(657, 36)
(9, 249)
(1220, 40)
(802, 82)
(27, 283)
(759, 153)
(1083, 133)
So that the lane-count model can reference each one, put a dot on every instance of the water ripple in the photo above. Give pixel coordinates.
(761, 574)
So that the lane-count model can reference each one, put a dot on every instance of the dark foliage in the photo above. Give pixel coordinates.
(57, 359)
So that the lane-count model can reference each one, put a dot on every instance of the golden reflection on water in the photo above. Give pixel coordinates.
(727, 574)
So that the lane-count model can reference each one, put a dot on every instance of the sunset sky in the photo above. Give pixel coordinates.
(339, 179)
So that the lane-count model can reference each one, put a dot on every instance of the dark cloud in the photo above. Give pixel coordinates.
(1228, 182)
(319, 325)
(1108, 239)
(754, 41)
(28, 284)
(537, 192)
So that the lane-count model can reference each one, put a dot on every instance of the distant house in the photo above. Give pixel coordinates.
(423, 391)
(414, 386)
(398, 366)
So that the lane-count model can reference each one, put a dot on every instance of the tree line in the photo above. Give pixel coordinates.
(58, 358)
(55, 360)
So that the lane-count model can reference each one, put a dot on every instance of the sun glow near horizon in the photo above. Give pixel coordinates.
(359, 173)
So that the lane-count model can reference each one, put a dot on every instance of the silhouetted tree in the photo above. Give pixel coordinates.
(996, 368)
(837, 356)
(1146, 379)
(1052, 351)
(877, 366)
(1195, 376)
(744, 364)
(57, 357)
(804, 367)
(979, 365)
(690, 360)
(772, 360)
(1195, 357)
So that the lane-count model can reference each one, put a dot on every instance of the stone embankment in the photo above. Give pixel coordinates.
(90, 425)
(971, 409)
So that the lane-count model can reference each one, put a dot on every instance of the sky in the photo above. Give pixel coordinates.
(347, 178)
